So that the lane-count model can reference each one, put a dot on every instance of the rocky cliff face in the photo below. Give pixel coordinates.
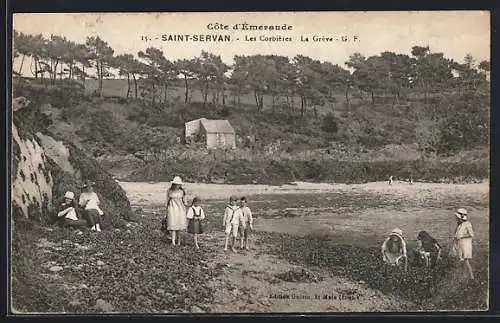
(31, 179)
(45, 166)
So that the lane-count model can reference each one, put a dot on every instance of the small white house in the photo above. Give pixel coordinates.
(214, 133)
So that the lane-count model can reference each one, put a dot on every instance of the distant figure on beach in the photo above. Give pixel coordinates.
(390, 180)
(89, 201)
(394, 252)
(176, 210)
(411, 180)
(195, 215)
(462, 241)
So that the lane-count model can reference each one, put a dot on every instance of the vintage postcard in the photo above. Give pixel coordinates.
(250, 162)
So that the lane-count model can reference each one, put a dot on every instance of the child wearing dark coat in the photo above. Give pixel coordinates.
(428, 250)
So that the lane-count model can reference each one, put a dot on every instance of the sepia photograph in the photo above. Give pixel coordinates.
(250, 162)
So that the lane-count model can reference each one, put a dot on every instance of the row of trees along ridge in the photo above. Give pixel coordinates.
(280, 77)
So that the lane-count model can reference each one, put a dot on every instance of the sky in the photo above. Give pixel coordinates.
(454, 33)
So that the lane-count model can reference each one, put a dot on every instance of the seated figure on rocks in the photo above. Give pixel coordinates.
(67, 216)
(89, 202)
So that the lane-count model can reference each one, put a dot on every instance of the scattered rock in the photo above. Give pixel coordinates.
(75, 303)
(264, 301)
(103, 306)
(100, 263)
(55, 268)
(298, 276)
(196, 309)
(44, 243)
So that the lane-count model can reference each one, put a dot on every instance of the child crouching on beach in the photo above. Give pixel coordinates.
(394, 252)
(194, 215)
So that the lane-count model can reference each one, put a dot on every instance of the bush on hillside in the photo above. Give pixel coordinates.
(329, 124)
(264, 171)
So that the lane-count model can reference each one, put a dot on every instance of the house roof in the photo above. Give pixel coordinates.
(217, 126)
(195, 120)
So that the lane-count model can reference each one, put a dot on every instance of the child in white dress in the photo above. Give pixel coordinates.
(231, 222)
(246, 225)
(462, 241)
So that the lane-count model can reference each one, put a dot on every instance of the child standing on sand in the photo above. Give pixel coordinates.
(231, 222)
(194, 215)
(462, 241)
(246, 225)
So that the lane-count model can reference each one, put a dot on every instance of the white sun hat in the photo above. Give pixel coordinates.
(69, 195)
(398, 233)
(177, 180)
(461, 213)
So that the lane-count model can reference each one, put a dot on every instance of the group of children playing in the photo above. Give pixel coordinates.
(238, 221)
(428, 251)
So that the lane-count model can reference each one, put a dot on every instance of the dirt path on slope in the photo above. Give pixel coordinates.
(253, 281)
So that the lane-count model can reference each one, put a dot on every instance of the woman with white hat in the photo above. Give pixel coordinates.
(89, 201)
(394, 253)
(176, 210)
(67, 213)
(462, 241)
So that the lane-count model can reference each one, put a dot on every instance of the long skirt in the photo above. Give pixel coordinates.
(176, 215)
(462, 249)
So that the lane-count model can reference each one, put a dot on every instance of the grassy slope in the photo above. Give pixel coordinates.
(380, 139)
